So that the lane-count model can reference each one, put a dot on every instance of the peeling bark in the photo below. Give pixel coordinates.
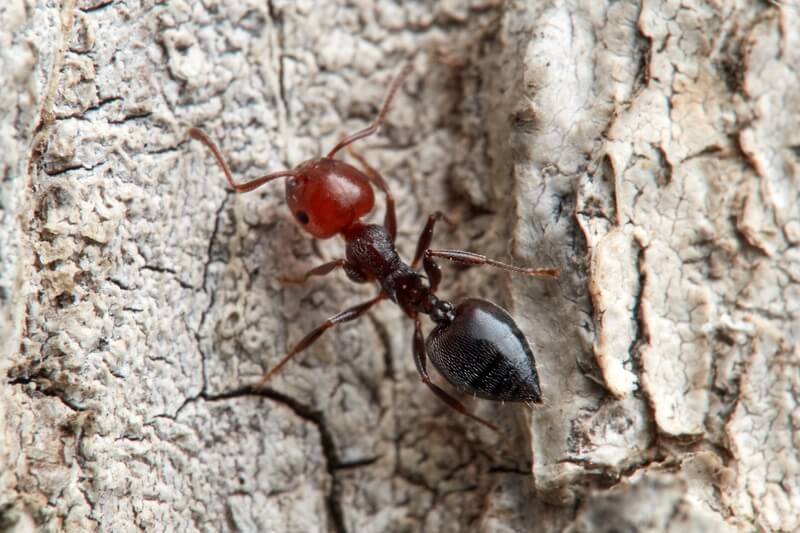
(650, 150)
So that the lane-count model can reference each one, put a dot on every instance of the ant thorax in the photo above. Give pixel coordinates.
(372, 254)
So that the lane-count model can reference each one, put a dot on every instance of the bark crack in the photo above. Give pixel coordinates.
(317, 419)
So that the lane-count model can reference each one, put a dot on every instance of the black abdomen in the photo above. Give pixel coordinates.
(483, 352)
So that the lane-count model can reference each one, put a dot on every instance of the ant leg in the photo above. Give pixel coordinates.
(433, 272)
(390, 219)
(420, 361)
(345, 316)
(198, 134)
(366, 132)
(469, 258)
(320, 270)
(427, 235)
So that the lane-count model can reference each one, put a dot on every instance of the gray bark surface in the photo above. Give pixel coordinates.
(649, 150)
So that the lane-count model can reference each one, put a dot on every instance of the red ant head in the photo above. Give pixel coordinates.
(326, 196)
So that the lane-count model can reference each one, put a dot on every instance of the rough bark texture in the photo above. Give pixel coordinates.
(650, 150)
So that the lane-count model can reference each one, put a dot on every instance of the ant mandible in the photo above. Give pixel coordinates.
(477, 346)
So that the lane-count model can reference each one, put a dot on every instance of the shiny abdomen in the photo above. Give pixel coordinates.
(483, 353)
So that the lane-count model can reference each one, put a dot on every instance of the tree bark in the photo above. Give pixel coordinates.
(649, 150)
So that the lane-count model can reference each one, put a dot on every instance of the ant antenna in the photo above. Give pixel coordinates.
(195, 133)
(366, 132)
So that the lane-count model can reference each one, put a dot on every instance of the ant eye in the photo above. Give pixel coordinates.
(302, 217)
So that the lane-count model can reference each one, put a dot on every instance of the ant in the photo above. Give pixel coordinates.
(477, 346)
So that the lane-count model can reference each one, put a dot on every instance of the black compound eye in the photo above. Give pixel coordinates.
(302, 217)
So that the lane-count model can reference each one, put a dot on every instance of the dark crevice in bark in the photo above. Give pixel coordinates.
(356, 463)
(277, 20)
(315, 417)
(81, 113)
(501, 469)
(165, 270)
(386, 341)
(97, 7)
(641, 335)
(641, 338)
(211, 299)
(50, 391)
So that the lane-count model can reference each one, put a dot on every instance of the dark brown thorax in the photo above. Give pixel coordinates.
(371, 254)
